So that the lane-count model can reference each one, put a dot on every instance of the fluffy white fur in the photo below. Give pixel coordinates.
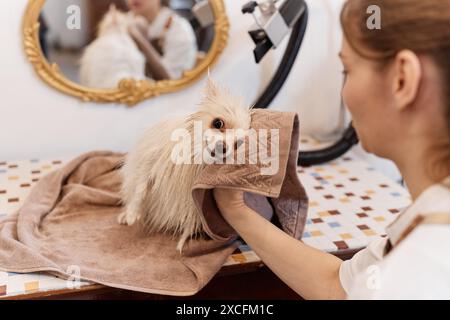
(157, 192)
(113, 56)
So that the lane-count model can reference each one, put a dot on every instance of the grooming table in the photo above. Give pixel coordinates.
(350, 204)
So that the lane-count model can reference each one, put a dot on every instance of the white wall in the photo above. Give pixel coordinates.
(37, 121)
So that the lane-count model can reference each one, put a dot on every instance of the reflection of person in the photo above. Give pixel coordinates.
(113, 55)
(43, 29)
(397, 89)
(166, 39)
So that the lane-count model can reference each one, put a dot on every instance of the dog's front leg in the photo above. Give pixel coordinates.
(133, 209)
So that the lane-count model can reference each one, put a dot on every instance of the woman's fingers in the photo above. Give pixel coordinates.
(137, 36)
(224, 195)
(229, 200)
(141, 24)
(133, 31)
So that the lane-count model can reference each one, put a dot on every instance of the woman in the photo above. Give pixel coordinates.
(397, 89)
(166, 39)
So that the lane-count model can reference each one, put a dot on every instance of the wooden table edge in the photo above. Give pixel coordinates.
(224, 271)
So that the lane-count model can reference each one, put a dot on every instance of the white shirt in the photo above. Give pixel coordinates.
(417, 268)
(179, 45)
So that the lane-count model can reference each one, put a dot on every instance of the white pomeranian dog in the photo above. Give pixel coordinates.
(113, 55)
(156, 191)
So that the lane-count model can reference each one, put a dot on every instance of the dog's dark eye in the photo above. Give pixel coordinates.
(218, 123)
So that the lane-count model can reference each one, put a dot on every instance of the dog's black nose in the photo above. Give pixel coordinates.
(238, 143)
(220, 149)
(221, 146)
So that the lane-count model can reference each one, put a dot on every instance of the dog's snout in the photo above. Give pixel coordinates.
(222, 147)
(238, 143)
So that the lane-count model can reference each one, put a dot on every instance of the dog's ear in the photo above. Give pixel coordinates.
(212, 90)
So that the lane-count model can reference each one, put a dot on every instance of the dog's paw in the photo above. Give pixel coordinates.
(122, 219)
(128, 218)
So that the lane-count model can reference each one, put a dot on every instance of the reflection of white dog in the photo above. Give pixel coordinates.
(156, 191)
(113, 56)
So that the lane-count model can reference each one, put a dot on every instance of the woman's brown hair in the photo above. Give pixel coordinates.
(422, 26)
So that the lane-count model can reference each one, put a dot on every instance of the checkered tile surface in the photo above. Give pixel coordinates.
(350, 204)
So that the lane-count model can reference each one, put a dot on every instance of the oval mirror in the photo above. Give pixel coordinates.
(123, 51)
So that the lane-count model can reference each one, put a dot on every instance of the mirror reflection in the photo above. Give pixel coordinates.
(99, 43)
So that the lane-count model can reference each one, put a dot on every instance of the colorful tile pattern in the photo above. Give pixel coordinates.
(350, 204)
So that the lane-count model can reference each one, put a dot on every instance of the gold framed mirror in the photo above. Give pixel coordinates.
(77, 70)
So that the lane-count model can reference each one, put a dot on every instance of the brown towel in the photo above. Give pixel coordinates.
(69, 221)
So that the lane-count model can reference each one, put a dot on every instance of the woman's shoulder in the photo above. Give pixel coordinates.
(431, 240)
(417, 268)
(420, 262)
(436, 197)
(180, 24)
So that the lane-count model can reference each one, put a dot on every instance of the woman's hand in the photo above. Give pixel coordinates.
(229, 201)
(141, 23)
(155, 64)
(311, 273)
(137, 35)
